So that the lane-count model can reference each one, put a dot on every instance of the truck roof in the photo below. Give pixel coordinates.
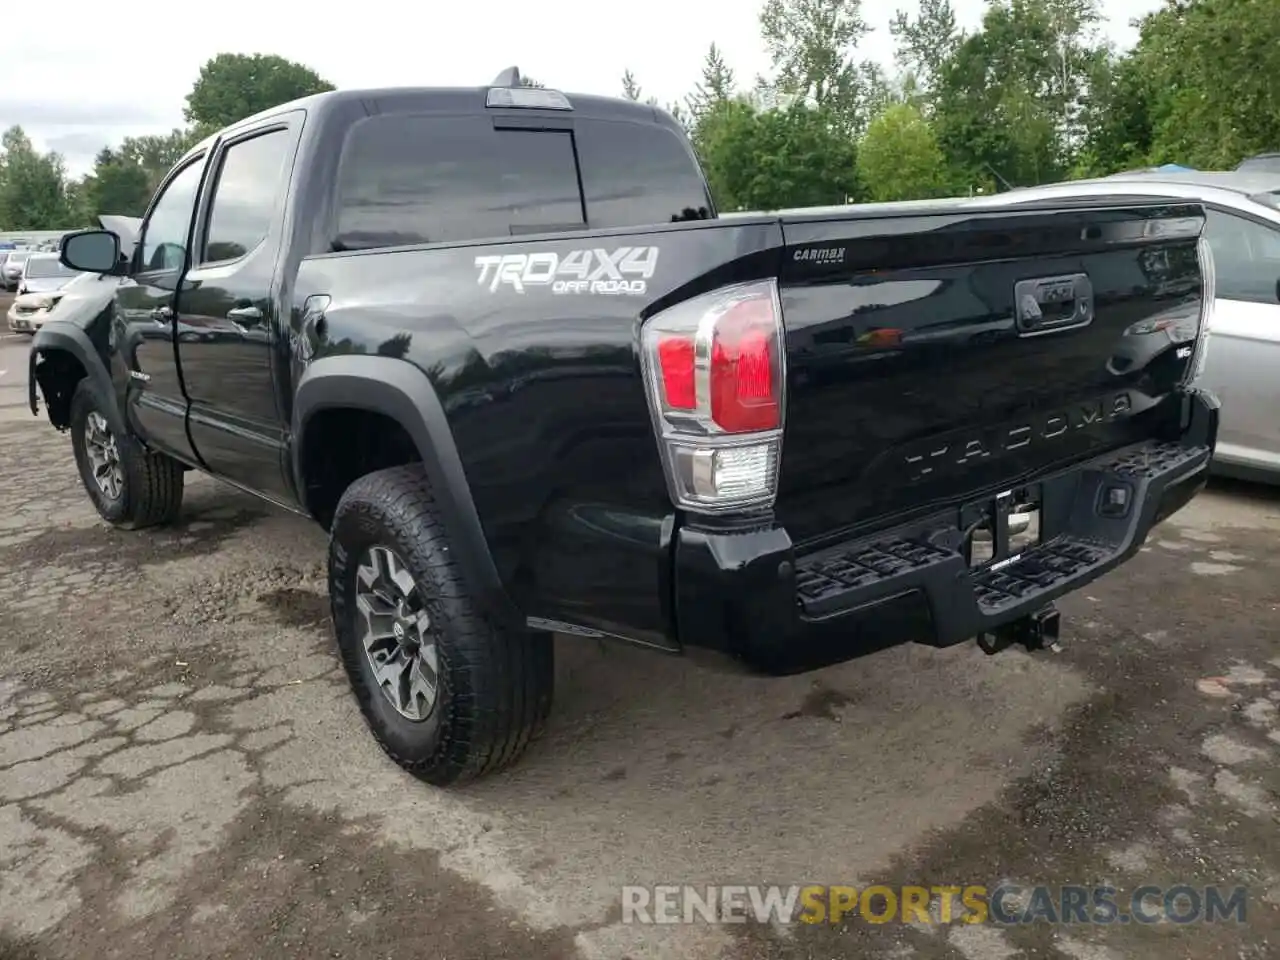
(450, 100)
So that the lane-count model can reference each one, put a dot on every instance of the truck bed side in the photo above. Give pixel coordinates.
(543, 394)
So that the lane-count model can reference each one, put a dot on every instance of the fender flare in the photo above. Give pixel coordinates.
(72, 339)
(399, 390)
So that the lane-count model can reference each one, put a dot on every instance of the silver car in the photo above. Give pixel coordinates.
(11, 271)
(86, 294)
(44, 273)
(1242, 363)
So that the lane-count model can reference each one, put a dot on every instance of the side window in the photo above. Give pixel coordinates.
(164, 237)
(1246, 257)
(250, 182)
(427, 180)
(634, 174)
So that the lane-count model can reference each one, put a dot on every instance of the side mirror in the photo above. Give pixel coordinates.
(91, 251)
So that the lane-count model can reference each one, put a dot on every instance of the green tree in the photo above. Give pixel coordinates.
(117, 185)
(681, 116)
(926, 43)
(232, 86)
(1074, 57)
(1008, 103)
(1209, 72)
(632, 91)
(1116, 118)
(157, 153)
(630, 88)
(899, 157)
(769, 159)
(78, 214)
(811, 44)
(877, 89)
(33, 186)
(716, 86)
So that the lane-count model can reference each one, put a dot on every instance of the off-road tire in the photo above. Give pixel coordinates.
(152, 482)
(494, 686)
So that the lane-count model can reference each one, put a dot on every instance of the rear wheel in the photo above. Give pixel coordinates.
(448, 694)
(129, 485)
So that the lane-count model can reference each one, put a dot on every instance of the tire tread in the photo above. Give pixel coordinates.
(159, 479)
(499, 681)
(154, 481)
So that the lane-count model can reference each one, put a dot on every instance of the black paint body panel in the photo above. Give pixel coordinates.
(909, 346)
(545, 403)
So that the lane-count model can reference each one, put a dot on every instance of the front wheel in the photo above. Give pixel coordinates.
(449, 695)
(129, 485)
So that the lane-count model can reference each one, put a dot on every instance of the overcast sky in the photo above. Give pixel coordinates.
(93, 73)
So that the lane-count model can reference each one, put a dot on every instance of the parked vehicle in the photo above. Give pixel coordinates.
(1262, 163)
(84, 293)
(497, 343)
(44, 273)
(40, 288)
(83, 297)
(11, 272)
(1242, 364)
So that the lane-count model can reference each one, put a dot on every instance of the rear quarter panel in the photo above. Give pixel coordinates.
(542, 389)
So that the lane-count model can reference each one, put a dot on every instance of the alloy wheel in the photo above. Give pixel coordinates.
(398, 636)
(104, 456)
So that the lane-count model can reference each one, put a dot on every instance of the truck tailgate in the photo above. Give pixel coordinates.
(935, 356)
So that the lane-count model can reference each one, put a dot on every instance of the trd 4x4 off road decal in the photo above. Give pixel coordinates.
(624, 271)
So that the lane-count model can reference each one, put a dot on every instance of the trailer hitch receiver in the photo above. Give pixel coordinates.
(1036, 631)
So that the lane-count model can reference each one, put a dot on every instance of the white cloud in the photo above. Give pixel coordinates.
(104, 72)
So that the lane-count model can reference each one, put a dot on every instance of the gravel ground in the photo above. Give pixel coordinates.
(183, 773)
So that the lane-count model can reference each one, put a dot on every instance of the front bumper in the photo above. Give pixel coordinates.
(749, 596)
(27, 322)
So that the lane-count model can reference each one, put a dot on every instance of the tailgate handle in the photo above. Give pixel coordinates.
(1050, 304)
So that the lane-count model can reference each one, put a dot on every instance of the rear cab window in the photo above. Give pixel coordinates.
(635, 174)
(430, 179)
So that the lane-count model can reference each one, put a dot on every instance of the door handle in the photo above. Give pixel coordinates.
(244, 316)
(162, 314)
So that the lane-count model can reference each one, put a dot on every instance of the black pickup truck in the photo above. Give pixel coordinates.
(498, 343)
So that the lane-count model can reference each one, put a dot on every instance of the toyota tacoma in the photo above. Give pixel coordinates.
(498, 343)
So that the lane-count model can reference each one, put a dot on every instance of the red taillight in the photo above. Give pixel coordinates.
(675, 361)
(744, 394)
(715, 369)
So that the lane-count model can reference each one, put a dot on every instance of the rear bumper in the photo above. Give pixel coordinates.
(748, 595)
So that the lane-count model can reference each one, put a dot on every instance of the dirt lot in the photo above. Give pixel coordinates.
(183, 773)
